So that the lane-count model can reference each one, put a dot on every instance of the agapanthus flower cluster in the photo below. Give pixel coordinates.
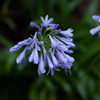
(49, 47)
(97, 29)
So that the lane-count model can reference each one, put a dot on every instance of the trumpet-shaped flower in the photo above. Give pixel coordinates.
(21, 57)
(46, 22)
(96, 18)
(97, 29)
(41, 69)
(54, 59)
(67, 32)
(34, 24)
(20, 44)
(53, 26)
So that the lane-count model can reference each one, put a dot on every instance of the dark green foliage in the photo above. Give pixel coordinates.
(23, 83)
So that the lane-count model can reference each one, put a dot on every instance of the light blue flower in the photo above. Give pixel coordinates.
(34, 56)
(44, 53)
(31, 58)
(69, 58)
(57, 31)
(39, 32)
(46, 22)
(53, 26)
(60, 56)
(20, 44)
(34, 24)
(69, 51)
(33, 41)
(95, 30)
(50, 63)
(60, 45)
(67, 32)
(96, 18)
(67, 41)
(54, 59)
(41, 68)
(21, 57)
(57, 44)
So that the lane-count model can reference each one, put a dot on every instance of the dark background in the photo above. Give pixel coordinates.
(24, 83)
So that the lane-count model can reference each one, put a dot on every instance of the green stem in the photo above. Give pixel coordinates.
(48, 35)
(44, 33)
(31, 35)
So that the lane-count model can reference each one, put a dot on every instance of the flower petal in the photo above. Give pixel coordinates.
(34, 24)
(54, 59)
(61, 57)
(35, 57)
(41, 66)
(20, 44)
(95, 30)
(96, 18)
(31, 56)
(21, 57)
(49, 62)
(15, 48)
(67, 32)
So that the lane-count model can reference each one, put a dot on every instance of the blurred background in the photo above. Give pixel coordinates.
(24, 83)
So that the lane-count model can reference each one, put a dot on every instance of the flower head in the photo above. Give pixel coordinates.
(49, 47)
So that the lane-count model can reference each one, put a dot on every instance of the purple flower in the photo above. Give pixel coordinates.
(34, 56)
(34, 24)
(53, 26)
(39, 32)
(67, 32)
(31, 56)
(67, 42)
(46, 22)
(60, 45)
(95, 30)
(49, 62)
(69, 51)
(21, 57)
(70, 59)
(56, 44)
(54, 59)
(51, 66)
(96, 18)
(65, 39)
(33, 42)
(41, 69)
(61, 57)
(20, 44)
(57, 31)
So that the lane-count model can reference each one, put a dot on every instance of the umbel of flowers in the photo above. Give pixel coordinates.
(49, 47)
